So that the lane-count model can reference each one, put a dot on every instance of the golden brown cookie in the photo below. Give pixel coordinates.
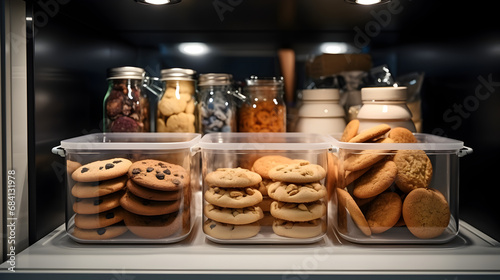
(262, 165)
(233, 197)
(365, 158)
(159, 175)
(228, 231)
(402, 135)
(376, 180)
(97, 204)
(350, 131)
(104, 219)
(384, 212)
(154, 227)
(100, 233)
(298, 212)
(370, 133)
(232, 178)
(426, 213)
(302, 172)
(141, 206)
(351, 176)
(153, 194)
(307, 229)
(234, 216)
(346, 204)
(296, 193)
(263, 186)
(265, 204)
(95, 189)
(332, 173)
(414, 170)
(101, 170)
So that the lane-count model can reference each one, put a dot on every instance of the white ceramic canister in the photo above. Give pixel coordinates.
(321, 112)
(384, 105)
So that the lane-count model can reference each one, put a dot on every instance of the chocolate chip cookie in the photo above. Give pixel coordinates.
(101, 170)
(158, 175)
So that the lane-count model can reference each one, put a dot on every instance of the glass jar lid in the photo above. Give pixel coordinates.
(177, 74)
(215, 79)
(126, 72)
(331, 94)
(383, 93)
(264, 81)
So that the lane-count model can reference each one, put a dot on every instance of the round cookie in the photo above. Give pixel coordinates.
(228, 231)
(263, 164)
(71, 166)
(347, 203)
(296, 193)
(351, 176)
(100, 233)
(376, 180)
(104, 219)
(101, 170)
(232, 178)
(158, 175)
(426, 213)
(265, 204)
(146, 207)
(97, 204)
(234, 216)
(414, 170)
(154, 227)
(302, 172)
(350, 131)
(95, 189)
(307, 229)
(153, 194)
(370, 133)
(384, 212)
(365, 158)
(402, 135)
(263, 186)
(233, 198)
(298, 212)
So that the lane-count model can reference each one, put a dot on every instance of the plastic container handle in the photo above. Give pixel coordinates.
(58, 150)
(464, 151)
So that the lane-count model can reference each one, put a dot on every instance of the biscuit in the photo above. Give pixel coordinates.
(154, 227)
(298, 212)
(426, 213)
(376, 180)
(350, 131)
(97, 204)
(103, 219)
(141, 206)
(100, 233)
(402, 135)
(303, 172)
(101, 170)
(351, 176)
(414, 170)
(232, 197)
(180, 123)
(384, 212)
(71, 166)
(332, 172)
(234, 216)
(232, 178)
(170, 106)
(365, 158)
(370, 133)
(262, 165)
(296, 193)
(265, 204)
(159, 175)
(228, 231)
(152, 194)
(307, 229)
(95, 189)
(347, 203)
(263, 186)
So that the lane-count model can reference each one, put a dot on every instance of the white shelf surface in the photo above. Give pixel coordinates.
(470, 253)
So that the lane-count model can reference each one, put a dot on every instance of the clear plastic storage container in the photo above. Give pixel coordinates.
(246, 200)
(397, 193)
(130, 187)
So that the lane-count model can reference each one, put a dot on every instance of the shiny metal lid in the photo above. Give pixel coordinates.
(126, 72)
(264, 81)
(215, 79)
(177, 74)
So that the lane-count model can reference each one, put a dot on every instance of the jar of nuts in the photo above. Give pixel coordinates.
(176, 105)
(264, 109)
(216, 107)
(126, 106)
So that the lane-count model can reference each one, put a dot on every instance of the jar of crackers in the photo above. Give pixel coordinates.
(217, 109)
(176, 105)
(264, 109)
(126, 106)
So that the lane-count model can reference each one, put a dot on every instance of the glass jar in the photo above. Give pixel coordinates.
(216, 107)
(321, 112)
(126, 106)
(384, 105)
(177, 103)
(264, 109)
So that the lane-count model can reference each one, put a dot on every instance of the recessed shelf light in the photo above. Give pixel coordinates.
(158, 2)
(368, 2)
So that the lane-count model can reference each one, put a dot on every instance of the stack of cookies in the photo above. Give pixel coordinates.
(157, 199)
(299, 208)
(98, 189)
(232, 197)
(381, 189)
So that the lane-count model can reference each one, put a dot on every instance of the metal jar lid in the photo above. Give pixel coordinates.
(264, 81)
(126, 72)
(177, 74)
(215, 79)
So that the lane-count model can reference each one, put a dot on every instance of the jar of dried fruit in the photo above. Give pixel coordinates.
(264, 109)
(126, 106)
(176, 105)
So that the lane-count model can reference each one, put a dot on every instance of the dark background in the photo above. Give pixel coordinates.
(455, 43)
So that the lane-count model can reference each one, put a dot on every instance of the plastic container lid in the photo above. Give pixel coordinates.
(126, 72)
(177, 74)
(383, 93)
(320, 94)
